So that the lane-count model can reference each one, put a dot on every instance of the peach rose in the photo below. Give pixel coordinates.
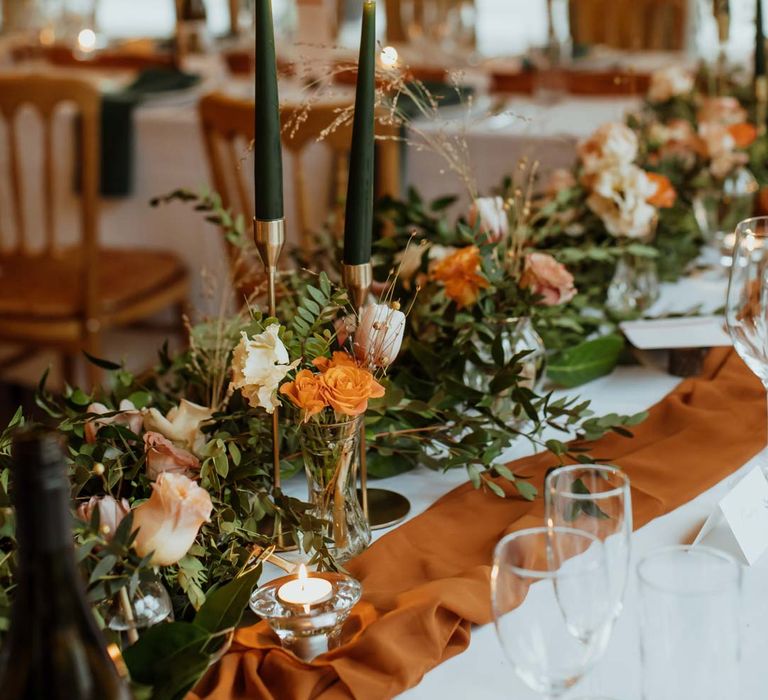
(305, 393)
(461, 276)
(743, 134)
(181, 425)
(490, 217)
(379, 336)
(719, 146)
(111, 513)
(544, 276)
(338, 359)
(129, 417)
(665, 195)
(347, 389)
(613, 145)
(169, 521)
(162, 456)
(721, 110)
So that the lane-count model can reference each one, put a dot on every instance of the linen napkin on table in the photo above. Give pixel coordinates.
(117, 139)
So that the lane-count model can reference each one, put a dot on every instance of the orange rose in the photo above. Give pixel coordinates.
(665, 194)
(460, 274)
(347, 389)
(304, 393)
(743, 134)
(339, 359)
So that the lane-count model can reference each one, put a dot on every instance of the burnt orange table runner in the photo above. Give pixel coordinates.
(427, 582)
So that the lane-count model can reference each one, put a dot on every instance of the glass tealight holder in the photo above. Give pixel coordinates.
(307, 629)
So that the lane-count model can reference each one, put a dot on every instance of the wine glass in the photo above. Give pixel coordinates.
(746, 309)
(551, 609)
(598, 500)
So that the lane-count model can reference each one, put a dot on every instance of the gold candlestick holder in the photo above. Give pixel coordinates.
(269, 237)
(381, 507)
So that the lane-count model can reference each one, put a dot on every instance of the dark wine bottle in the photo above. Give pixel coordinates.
(54, 649)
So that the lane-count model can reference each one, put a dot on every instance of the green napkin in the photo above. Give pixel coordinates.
(117, 138)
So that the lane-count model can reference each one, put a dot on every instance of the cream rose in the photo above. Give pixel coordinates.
(169, 521)
(490, 217)
(163, 456)
(259, 364)
(111, 513)
(181, 424)
(613, 145)
(548, 278)
(719, 146)
(379, 335)
(619, 198)
(669, 82)
(129, 417)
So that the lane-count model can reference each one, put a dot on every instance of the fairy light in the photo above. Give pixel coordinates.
(86, 40)
(389, 56)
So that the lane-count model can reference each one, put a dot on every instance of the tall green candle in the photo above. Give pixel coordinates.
(759, 41)
(358, 222)
(267, 153)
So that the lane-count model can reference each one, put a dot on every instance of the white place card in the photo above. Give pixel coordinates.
(739, 525)
(668, 333)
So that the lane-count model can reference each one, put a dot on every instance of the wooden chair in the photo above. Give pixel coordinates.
(630, 24)
(226, 121)
(420, 13)
(66, 297)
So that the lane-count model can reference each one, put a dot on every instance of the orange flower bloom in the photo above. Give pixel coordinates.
(347, 389)
(460, 274)
(304, 393)
(743, 134)
(665, 194)
(339, 359)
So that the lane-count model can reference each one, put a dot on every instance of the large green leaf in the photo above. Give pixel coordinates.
(163, 647)
(586, 361)
(224, 607)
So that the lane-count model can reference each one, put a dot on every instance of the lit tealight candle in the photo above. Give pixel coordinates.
(305, 591)
(389, 56)
(86, 40)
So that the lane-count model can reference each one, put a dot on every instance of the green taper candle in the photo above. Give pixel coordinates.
(759, 41)
(267, 154)
(358, 222)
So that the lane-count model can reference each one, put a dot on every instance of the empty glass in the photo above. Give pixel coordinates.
(596, 499)
(689, 624)
(747, 301)
(552, 611)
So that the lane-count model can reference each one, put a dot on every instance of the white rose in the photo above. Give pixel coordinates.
(669, 82)
(169, 521)
(181, 425)
(259, 364)
(619, 198)
(613, 145)
(489, 214)
(379, 335)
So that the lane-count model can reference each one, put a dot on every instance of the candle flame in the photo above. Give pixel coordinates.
(302, 575)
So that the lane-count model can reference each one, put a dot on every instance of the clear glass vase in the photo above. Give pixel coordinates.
(719, 209)
(634, 287)
(518, 335)
(331, 455)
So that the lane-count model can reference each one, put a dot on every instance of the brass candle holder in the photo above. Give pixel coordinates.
(381, 507)
(269, 237)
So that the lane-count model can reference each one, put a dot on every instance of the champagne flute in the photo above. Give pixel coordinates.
(598, 500)
(746, 311)
(549, 594)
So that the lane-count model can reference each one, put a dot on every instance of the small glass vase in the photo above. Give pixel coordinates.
(634, 287)
(331, 454)
(719, 209)
(518, 335)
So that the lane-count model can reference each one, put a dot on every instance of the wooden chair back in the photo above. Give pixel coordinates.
(630, 24)
(45, 94)
(421, 15)
(227, 122)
